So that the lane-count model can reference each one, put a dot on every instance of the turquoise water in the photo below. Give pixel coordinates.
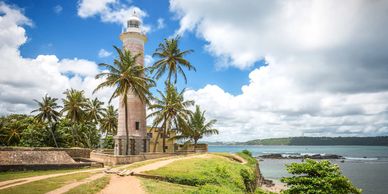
(366, 166)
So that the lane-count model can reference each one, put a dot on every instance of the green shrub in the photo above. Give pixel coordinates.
(247, 152)
(317, 177)
(249, 179)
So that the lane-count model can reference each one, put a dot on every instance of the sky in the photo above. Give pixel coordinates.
(264, 68)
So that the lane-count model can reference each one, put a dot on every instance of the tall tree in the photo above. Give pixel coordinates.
(94, 110)
(109, 121)
(198, 127)
(47, 113)
(74, 105)
(171, 59)
(127, 76)
(170, 111)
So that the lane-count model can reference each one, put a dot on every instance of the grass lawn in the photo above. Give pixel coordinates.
(161, 187)
(45, 185)
(207, 175)
(91, 187)
(5, 176)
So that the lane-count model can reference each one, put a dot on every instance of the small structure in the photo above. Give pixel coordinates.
(133, 40)
(152, 134)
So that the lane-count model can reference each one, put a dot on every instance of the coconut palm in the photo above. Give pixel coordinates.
(198, 127)
(47, 113)
(109, 121)
(127, 76)
(74, 105)
(170, 111)
(94, 110)
(172, 59)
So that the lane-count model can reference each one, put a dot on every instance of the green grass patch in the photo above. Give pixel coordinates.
(5, 176)
(161, 187)
(45, 185)
(91, 187)
(205, 173)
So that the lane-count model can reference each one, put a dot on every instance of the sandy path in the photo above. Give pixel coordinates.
(132, 185)
(15, 182)
(67, 188)
(241, 159)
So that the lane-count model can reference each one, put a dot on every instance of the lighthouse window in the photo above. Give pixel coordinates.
(137, 125)
(133, 24)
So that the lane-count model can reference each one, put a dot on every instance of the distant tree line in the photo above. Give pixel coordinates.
(367, 141)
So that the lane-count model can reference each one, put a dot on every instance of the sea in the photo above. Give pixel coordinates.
(365, 166)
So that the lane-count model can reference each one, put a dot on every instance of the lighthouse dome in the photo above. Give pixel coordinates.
(133, 24)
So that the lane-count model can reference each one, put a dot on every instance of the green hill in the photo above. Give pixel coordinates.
(368, 141)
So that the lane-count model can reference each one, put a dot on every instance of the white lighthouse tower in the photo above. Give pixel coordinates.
(133, 39)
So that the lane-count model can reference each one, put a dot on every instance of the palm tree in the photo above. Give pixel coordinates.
(198, 127)
(171, 110)
(47, 113)
(127, 76)
(94, 110)
(74, 105)
(172, 59)
(109, 121)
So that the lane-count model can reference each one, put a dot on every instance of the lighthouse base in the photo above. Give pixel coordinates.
(136, 145)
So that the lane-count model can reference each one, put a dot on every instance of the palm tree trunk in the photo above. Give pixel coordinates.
(195, 145)
(165, 135)
(52, 134)
(73, 133)
(164, 140)
(126, 125)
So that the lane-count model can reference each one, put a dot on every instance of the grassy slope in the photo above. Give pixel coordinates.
(46, 185)
(5, 176)
(208, 175)
(91, 187)
(161, 187)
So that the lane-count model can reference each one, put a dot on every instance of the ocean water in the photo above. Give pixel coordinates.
(366, 166)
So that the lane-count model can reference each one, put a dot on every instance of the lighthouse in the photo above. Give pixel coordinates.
(133, 39)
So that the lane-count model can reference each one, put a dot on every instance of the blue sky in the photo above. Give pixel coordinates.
(67, 35)
(325, 71)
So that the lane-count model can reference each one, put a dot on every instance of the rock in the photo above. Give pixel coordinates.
(315, 156)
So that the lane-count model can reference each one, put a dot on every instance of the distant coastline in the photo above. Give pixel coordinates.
(351, 141)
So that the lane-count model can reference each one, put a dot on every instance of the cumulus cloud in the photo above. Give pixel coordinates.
(104, 53)
(58, 9)
(161, 23)
(110, 11)
(24, 79)
(326, 65)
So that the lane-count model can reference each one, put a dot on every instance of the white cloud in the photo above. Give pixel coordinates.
(148, 60)
(161, 23)
(24, 79)
(110, 11)
(58, 9)
(326, 72)
(103, 53)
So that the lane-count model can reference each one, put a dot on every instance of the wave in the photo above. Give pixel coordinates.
(354, 158)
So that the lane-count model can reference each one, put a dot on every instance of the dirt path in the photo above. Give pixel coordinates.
(241, 159)
(15, 182)
(132, 185)
(67, 188)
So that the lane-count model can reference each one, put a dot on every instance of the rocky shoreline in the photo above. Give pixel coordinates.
(314, 156)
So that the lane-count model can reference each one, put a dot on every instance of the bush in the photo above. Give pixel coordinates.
(317, 177)
(249, 179)
(247, 152)
(108, 142)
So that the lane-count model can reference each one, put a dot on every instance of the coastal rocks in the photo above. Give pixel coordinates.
(313, 156)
